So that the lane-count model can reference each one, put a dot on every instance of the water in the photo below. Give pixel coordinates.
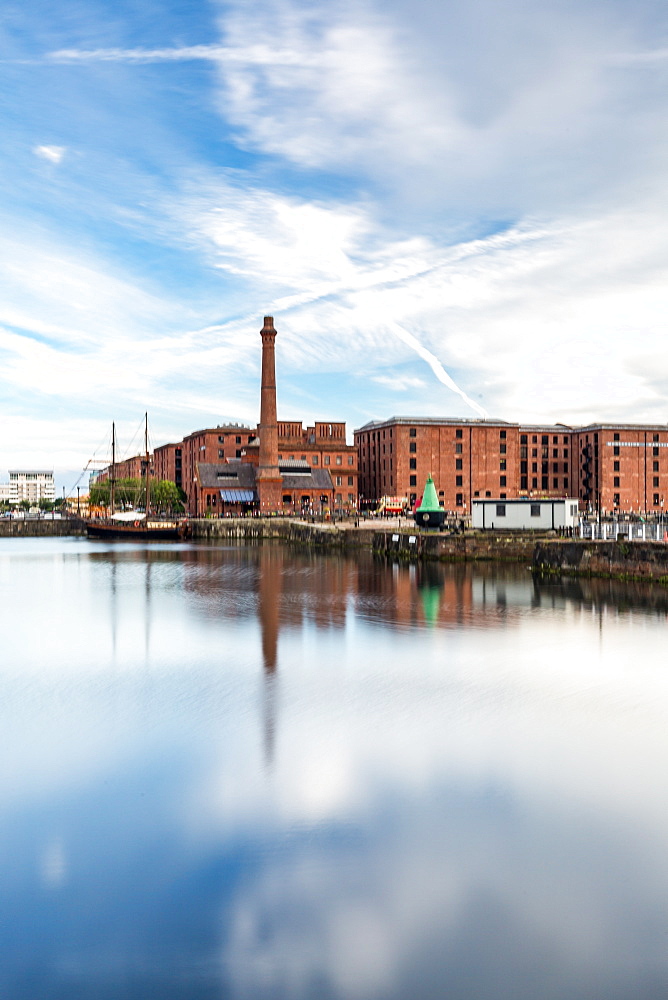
(248, 773)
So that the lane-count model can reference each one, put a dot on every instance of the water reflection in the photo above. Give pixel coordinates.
(249, 772)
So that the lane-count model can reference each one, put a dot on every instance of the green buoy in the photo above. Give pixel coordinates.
(429, 514)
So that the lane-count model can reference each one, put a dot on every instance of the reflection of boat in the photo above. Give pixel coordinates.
(132, 524)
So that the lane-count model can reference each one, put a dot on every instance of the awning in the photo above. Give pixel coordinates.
(237, 496)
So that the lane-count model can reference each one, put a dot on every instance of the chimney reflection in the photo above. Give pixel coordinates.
(270, 569)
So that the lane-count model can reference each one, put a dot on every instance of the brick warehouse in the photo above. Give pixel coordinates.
(289, 467)
(609, 467)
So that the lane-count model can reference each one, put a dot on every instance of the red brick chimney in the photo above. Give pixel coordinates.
(268, 474)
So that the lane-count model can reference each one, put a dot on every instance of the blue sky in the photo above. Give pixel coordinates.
(450, 209)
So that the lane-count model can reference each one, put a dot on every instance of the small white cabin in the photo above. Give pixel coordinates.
(525, 514)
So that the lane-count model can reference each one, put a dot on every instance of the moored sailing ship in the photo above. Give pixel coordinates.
(135, 525)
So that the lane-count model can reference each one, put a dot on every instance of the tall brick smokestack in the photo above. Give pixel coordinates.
(268, 420)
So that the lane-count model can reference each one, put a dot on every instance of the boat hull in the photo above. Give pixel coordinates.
(170, 531)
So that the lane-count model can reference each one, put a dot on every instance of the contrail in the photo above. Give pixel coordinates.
(436, 366)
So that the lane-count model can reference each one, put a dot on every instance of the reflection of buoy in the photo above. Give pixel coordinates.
(665, 536)
(136, 524)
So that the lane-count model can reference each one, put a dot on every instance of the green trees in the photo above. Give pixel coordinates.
(165, 496)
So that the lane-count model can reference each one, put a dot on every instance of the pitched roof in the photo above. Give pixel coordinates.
(226, 476)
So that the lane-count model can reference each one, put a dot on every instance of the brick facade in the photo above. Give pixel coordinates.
(609, 467)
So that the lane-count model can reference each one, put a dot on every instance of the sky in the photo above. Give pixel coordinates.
(450, 207)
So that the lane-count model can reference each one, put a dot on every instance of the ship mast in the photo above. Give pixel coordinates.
(146, 505)
(112, 481)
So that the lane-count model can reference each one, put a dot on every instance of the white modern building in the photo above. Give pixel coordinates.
(32, 485)
(525, 514)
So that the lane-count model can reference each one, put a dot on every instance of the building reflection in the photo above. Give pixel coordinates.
(279, 591)
(269, 587)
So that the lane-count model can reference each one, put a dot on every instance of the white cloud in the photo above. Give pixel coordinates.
(54, 154)
(549, 321)
(398, 383)
(473, 107)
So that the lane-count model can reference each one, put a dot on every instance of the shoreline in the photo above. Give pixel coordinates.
(401, 540)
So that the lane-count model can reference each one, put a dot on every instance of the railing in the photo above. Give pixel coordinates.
(633, 531)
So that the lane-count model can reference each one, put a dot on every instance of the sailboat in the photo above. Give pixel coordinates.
(132, 524)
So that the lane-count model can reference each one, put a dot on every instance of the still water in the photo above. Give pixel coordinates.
(253, 773)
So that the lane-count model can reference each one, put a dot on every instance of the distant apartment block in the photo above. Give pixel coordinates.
(31, 485)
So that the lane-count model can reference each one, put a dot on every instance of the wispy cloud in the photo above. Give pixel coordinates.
(398, 383)
(468, 198)
(54, 154)
(190, 53)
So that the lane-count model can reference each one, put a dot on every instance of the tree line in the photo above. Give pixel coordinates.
(165, 496)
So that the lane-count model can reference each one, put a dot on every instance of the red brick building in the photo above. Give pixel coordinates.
(623, 466)
(128, 468)
(322, 446)
(287, 468)
(608, 467)
(212, 446)
(168, 463)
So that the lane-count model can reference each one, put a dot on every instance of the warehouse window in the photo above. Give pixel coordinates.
(500, 510)
(535, 510)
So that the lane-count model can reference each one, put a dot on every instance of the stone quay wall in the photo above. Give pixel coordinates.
(40, 527)
(622, 560)
(393, 542)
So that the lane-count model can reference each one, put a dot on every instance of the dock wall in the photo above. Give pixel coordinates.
(40, 527)
(624, 560)
(399, 543)
(621, 560)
